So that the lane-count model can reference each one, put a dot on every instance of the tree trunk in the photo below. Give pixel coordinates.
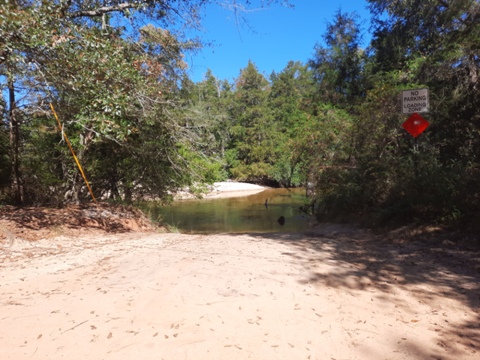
(473, 71)
(16, 180)
(128, 194)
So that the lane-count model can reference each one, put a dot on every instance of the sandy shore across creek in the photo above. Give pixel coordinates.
(224, 189)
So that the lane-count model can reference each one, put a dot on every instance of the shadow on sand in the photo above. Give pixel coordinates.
(432, 269)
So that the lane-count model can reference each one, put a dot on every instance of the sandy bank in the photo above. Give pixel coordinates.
(266, 296)
(224, 189)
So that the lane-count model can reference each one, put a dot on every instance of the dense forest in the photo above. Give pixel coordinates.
(141, 128)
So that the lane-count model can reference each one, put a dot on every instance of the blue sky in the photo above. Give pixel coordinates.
(273, 36)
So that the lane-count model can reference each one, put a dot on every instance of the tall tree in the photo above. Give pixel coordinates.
(338, 66)
(210, 99)
(290, 97)
(253, 127)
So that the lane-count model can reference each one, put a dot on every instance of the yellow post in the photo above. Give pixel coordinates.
(73, 153)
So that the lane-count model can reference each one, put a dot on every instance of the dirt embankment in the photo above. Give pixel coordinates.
(34, 223)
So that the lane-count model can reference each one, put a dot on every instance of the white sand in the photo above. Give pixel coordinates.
(224, 189)
(233, 189)
(235, 186)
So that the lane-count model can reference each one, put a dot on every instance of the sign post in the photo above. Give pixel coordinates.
(415, 101)
(415, 125)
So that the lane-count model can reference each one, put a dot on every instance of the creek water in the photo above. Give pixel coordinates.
(238, 214)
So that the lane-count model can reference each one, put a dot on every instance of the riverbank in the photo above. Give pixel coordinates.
(334, 293)
(223, 189)
(34, 223)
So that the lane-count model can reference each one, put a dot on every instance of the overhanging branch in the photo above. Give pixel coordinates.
(107, 9)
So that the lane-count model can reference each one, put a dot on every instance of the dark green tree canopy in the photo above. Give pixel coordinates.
(337, 68)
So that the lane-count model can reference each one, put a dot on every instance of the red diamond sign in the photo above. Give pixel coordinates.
(415, 125)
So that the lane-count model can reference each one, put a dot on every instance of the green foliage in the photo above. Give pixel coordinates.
(202, 169)
(288, 100)
(338, 67)
(392, 180)
(109, 90)
(231, 160)
(253, 128)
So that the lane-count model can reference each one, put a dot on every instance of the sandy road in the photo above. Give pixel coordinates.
(265, 296)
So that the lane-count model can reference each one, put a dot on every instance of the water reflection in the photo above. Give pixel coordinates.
(260, 212)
